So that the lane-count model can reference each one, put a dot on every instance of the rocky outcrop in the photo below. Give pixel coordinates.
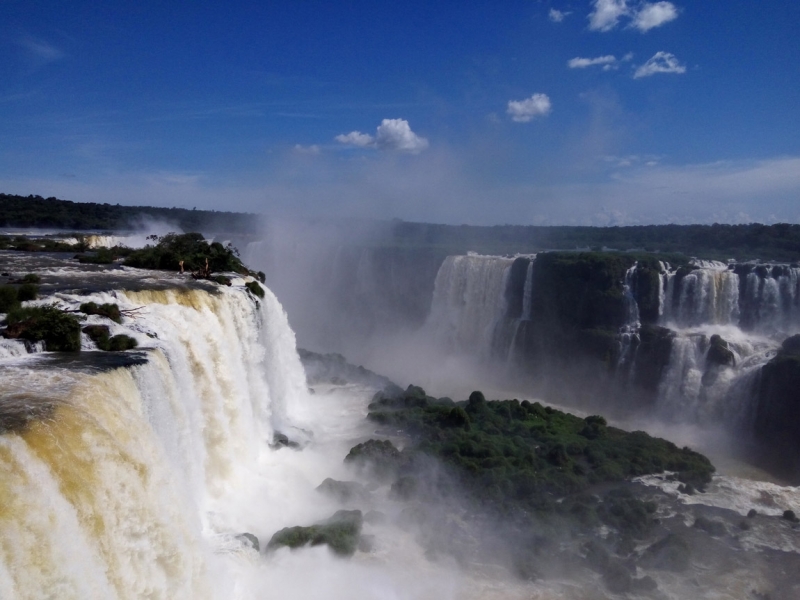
(777, 419)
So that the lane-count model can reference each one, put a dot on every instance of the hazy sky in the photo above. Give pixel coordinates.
(586, 112)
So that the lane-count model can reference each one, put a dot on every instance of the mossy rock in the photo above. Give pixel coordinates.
(58, 330)
(254, 288)
(341, 533)
(99, 334)
(378, 456)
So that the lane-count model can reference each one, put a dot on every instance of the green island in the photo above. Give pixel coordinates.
(535, 486)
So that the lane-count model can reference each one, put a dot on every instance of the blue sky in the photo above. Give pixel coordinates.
(590, 112)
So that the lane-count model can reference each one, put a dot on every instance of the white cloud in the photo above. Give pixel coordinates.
(654, 15)
(556, 16)
(396, 134)
(523, 111)
(606, 14)
(644, 17)
(392, 134)
(356, 138)
(662, 62)
(581, 63)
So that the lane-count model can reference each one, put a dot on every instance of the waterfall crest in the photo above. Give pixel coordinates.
(111, 493)
(468, 302)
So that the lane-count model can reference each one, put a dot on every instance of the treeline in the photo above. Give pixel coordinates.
(52, 213)
(780, 242)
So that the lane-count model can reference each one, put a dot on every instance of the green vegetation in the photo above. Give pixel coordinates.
(9, 299)
(341, 533)
(520, 455)
(100, 335)
(780, 242)
(108, 310)
(103, 256)
(35, 211)
(59, 330)
(189, 248)
(12, 295)
(254, 288)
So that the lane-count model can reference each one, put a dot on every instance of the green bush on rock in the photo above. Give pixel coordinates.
(59, 330)
(341, 533)
(108, 310)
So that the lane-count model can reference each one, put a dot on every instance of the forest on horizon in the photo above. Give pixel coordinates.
(778, 242)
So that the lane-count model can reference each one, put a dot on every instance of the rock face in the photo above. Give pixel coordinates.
(777, 421)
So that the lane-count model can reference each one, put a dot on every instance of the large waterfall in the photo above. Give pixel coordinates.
(111, 490)
(469, 301)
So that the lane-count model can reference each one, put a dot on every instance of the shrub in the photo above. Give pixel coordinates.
(8, 298)
(192, 249)
(108, 310)
(27, 291)
(31, 278)
(254, 288)
(58, 329)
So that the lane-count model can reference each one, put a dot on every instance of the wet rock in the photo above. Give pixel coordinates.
(341, 533)
(711, 526)
(279, 440)
(343, 491)
(671, 553)
(249, 540)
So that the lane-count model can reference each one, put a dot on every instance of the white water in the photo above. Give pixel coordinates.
(468, 302)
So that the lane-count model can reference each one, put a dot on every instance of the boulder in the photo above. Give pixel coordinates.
(341, 533)
(671, 553)
(343, 491)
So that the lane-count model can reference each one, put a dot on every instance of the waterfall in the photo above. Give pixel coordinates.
(527, 293)
(114, 490)
(468, 301)
(763, 299)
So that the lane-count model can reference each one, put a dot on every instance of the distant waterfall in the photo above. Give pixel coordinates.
(469, 300)
(754, 297)
(111, 495)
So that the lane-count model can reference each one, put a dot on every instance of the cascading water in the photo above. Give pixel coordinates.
(468, 302)
(108, 493)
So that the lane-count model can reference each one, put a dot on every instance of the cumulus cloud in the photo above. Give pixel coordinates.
(556, 16)
(523, 111)
(392, 134)
(644, 16)
(661, 62)
(607, 13)
(608, 62)
(356, 138)
(654, 15)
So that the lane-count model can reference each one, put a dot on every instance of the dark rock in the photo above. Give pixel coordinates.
(343, 491)
(752, 513)
(380, 457)
(250, 540)
(341, 533)
(790, 516)
(777, 417)
(671, 553)
(644, 584)
(279, 440)
(711, 526)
